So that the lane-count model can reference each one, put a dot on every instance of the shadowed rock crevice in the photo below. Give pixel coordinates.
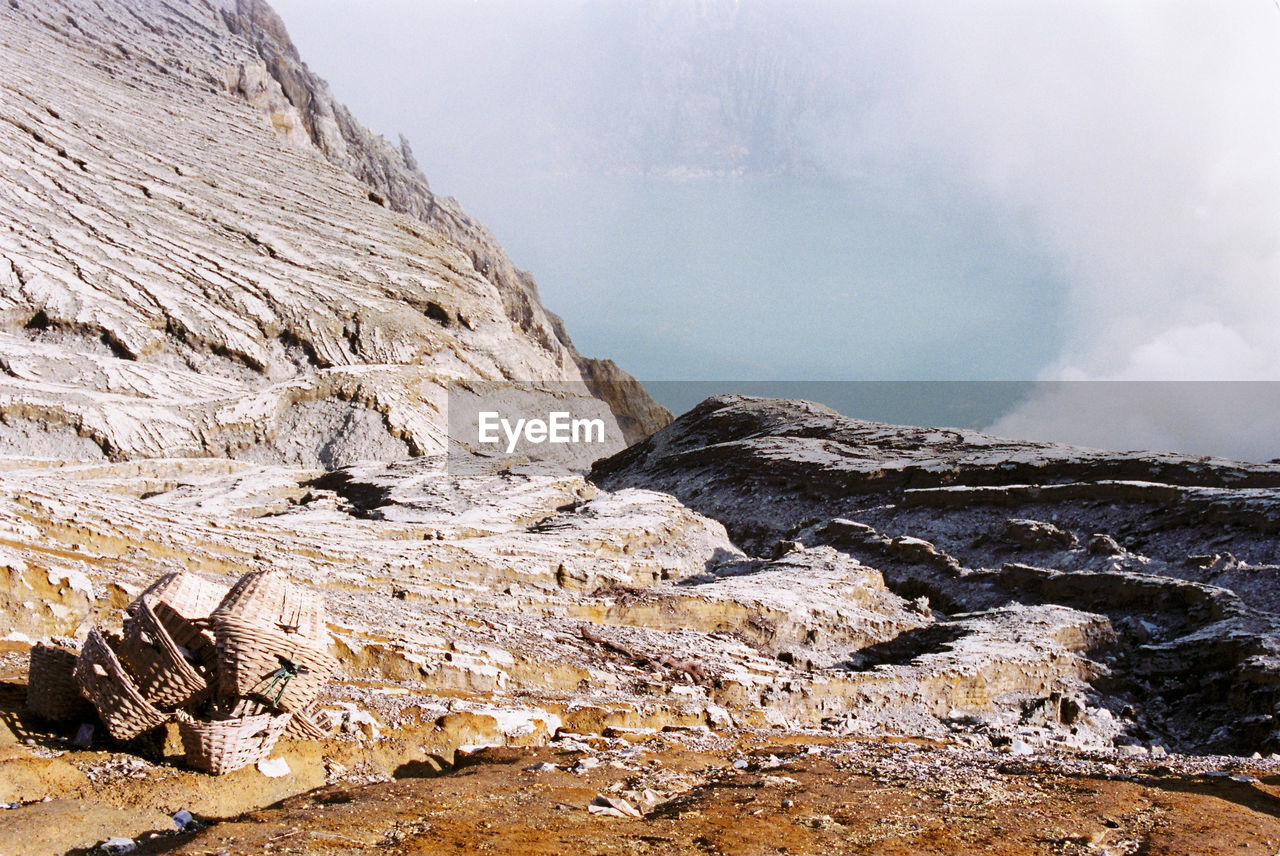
(906, 647)
(365, 497)
(40, 325)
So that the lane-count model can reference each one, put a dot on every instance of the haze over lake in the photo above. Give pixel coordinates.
(760, 190)
(783, 277)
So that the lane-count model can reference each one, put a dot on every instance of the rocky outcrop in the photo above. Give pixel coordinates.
(638, 415)
(207, 255)
(1177, 553)
(532, 581)
(233, 328)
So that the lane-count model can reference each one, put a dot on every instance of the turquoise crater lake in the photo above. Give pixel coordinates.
(782, 279)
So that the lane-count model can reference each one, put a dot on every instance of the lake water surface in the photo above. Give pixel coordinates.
(790, 281)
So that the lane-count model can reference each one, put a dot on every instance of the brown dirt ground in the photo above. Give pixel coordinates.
(494, 805)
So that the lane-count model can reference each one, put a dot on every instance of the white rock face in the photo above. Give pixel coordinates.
(193, 265)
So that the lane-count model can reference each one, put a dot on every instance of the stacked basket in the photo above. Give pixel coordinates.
(234, 667)
(272, 661)
(104, 680)
(221, 745)
(272, 643)
(138, 679)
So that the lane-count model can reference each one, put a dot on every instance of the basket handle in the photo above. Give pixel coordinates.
(291, 613)
(277, 681)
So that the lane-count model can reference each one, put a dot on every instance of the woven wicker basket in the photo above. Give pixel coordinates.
(104, 682)
(268, 599)
(183, 601)
(305, 726)
(158, 666)
(51, 685)
(191, 635)
(282, 669)
(191, 596)
(272, 642)
(221, 745)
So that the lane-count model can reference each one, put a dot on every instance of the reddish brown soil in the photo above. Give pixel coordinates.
(494, 805)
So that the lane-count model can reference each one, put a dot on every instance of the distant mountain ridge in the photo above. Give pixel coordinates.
(680, 87)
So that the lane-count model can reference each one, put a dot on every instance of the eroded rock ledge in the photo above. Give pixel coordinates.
(1176, 555)
(660, 592)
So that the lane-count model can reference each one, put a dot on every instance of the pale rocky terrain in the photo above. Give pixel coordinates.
(1170, 560)
(197, 263)
(230, 320)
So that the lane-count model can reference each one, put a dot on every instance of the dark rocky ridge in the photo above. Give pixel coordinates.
(1178, 553)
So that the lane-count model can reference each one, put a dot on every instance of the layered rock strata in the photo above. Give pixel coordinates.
(229, 318)
(205, 254)
(612, 608)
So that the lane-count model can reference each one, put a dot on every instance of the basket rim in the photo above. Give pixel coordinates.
(193, 588)
(263, 597)
(191, 721)
(163, 636)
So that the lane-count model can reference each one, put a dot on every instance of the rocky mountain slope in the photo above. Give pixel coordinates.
(206, 255)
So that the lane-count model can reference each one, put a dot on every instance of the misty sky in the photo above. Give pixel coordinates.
(1122, 158)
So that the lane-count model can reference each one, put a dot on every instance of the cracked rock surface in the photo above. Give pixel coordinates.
(228, 318)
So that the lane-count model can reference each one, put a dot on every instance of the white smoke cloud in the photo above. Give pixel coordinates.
(1142, 138)
(1232, 419)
